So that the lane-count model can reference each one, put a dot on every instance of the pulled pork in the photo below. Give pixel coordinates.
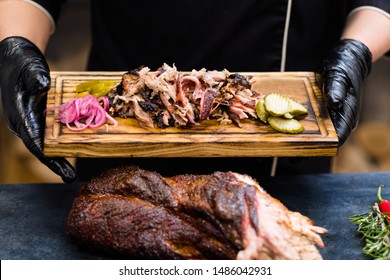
(167, 97)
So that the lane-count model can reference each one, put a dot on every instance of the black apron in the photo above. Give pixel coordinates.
(245, 35)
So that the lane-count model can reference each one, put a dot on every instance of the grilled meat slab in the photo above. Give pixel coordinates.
(225, 215)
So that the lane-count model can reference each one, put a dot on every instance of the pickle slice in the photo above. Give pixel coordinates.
(288, 115)
(280, 112)
(276, 104)
(285, 125)
(261, 112)
(97, 88)
(297, 108)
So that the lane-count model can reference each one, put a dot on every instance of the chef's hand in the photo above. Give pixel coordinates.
(343, 73)
(24, 82)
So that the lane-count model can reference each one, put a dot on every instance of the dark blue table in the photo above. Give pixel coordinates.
(32, 216)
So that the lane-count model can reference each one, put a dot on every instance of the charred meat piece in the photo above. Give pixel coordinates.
(206, 103)
(225, 215)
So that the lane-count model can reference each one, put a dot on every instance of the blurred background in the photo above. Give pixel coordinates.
(366, 150)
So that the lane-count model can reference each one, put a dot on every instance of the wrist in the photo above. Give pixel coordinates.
(370, 27)
(20, 18)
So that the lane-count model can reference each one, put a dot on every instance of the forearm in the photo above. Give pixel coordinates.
(21, 18)
(372, 28)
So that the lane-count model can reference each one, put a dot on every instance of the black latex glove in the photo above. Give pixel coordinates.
(342, 76)
(24, 82)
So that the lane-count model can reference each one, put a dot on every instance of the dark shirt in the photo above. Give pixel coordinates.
(244, 35)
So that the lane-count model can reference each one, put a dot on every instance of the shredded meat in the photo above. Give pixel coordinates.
(185, 98)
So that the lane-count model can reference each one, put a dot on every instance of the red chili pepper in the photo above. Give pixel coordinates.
(384, 205)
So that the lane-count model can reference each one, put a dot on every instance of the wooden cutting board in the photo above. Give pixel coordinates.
(210, 139)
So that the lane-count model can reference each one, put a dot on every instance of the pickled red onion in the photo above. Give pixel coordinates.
(84, 112)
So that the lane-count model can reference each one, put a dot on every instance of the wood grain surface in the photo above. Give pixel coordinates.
(210, 139)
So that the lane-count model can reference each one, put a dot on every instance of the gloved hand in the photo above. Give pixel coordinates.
(343, 73)
(24, 82)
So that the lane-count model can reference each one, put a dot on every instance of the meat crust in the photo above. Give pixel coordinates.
(225, 215)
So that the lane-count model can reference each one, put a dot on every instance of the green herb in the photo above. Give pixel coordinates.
(375, 228)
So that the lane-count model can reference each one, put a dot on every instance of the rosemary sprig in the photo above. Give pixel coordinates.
(375, 229)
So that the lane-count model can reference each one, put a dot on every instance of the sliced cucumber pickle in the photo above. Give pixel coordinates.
(277, 104)
(285, 125)
(261, 112)
(97, 88)
(280, 112)
(288, 116)
(296, 108)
